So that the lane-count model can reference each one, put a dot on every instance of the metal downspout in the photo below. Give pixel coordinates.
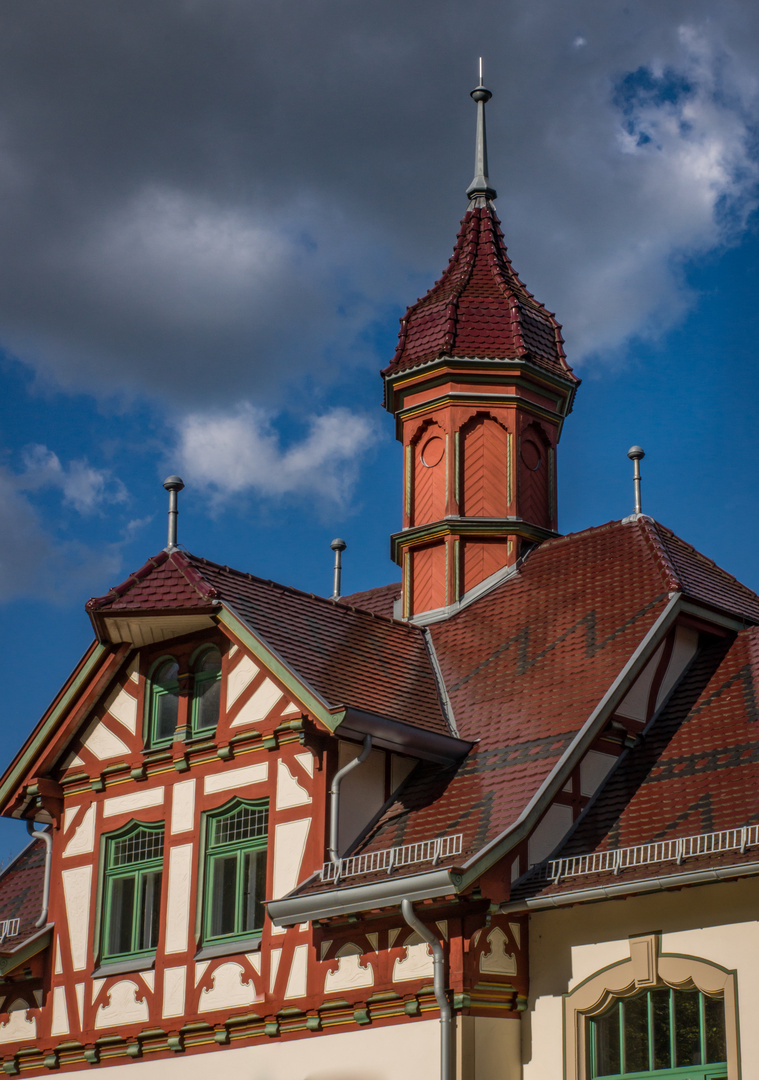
(438, 981)
(334, 796)
(48, 842)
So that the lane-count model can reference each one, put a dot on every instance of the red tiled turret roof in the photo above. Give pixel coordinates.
(479, 307)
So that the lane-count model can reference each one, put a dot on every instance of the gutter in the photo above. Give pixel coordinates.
(623, 889)
(343, 901)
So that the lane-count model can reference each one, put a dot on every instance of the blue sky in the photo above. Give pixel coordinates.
(213, 215)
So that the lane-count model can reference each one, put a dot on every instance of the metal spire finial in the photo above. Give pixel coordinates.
(480, 186)
(635, 453)
(173, 485)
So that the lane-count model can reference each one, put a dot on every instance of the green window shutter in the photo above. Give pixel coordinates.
(235, 877)
(132, 892)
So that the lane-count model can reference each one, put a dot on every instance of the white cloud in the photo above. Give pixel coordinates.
(242, 451)
(84, 487)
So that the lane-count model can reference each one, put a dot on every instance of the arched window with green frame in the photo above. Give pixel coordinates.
(235, 871)
(662, 1033)
(164, 700)
(132, 876)
(206, 689)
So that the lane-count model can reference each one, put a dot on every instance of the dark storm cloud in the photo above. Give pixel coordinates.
(201, 200)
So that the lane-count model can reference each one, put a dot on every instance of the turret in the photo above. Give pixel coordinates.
(479, 386)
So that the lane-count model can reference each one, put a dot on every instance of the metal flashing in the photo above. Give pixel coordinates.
(401, 738)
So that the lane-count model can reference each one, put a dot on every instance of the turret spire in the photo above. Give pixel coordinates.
(480, 185)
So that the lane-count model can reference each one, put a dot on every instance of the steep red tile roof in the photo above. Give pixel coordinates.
(526, 664)
(350, 657)
(380, 600)
(165, 581)
(21, 893)
(695, 772)
(479, 307)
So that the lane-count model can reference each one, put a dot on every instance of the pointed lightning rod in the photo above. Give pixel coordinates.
(480, 185)
(173, 485)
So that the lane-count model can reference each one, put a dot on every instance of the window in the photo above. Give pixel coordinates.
(235, 882)
(132, 892)
(654, 1016)
(164, 699)
(657, 1034)
(206, 690)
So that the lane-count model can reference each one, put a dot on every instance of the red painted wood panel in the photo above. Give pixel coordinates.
(484, 469)
(429, 481)
(428, 578)
(480, 559)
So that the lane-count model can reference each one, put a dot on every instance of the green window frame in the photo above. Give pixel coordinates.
(206, 689)
(132, 879)
(661, 1033)
(235, 871)
(164, 700)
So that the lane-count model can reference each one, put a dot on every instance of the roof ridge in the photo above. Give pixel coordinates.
(705, 558)
(647, 526)
(335, 604)
(129, 582)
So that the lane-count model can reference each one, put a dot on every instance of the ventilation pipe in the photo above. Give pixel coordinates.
(173, 485)
(635, 453)
(334, 796)
(338, 546)
(47, 839)
(438, 982)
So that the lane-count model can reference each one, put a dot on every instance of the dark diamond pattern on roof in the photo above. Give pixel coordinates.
(21, 892)
(697, 771)
(479, 307)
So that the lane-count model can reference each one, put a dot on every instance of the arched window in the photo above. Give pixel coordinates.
(164, 699)
(235, 871)
(657, 1033)
(206, 690)
(655, 1016)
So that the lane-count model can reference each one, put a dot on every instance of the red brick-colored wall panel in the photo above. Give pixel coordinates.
(481, 558)
(429, 487)
(428, 576)
(484, 469)
(534, 469)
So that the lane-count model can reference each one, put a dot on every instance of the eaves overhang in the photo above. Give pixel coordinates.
(148, 627)
(457, 525)
(395, 381)
(345, 900)
(401, 738)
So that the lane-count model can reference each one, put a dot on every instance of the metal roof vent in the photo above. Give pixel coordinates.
(338, 546)
(173, 485)
(635, 453)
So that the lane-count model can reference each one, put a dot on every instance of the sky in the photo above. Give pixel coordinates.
(213, 214)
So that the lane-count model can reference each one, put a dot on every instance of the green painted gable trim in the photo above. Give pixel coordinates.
(306, 695)
(37, 741)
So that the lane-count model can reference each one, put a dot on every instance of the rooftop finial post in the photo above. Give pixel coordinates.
(635, 453)
(338, 546)
(480, 185)
(173, 485)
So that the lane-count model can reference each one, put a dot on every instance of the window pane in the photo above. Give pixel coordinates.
(687, 1028)
(254, 883)
(223, 895)
(661, 1030)
(714, 1012)
(207, 701)
(635, 1012)
(150, 910)
(606, 1038)
(165, 713)
(247, 823)
(120, 913)
(210, 661)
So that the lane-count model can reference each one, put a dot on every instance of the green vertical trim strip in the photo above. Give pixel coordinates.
(510, 469)
(457, 470)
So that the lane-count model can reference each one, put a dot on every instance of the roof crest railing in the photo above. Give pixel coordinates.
(9, 928)
(389, 859)
(676, 850)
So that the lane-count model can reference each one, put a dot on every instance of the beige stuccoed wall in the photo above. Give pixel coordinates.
(488, 1048)
(715, 922)
(396, 1052)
